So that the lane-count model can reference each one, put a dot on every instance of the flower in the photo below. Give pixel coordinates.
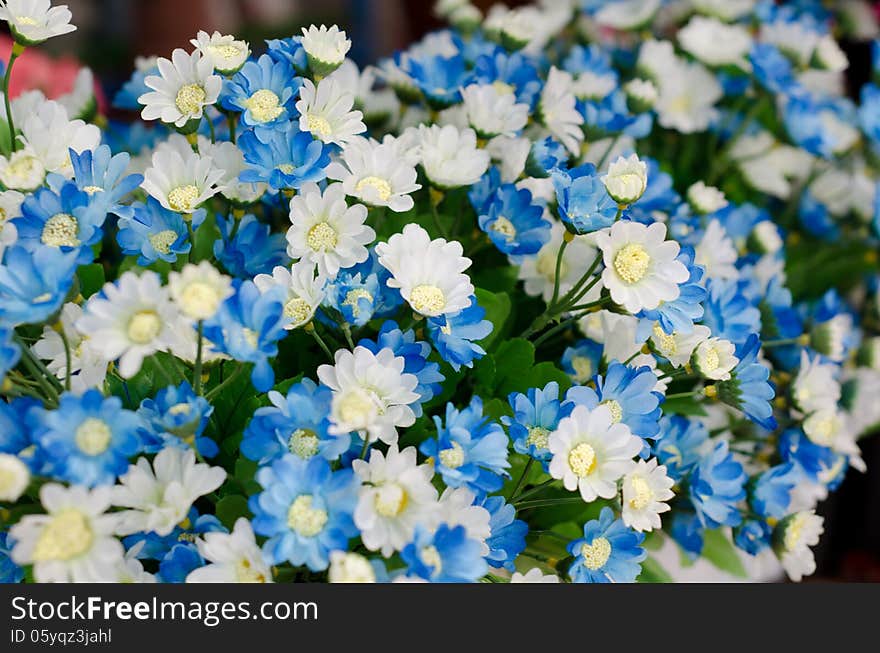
(455, 335)
(102, 176)
(539, 271)
(250, 251)
(591, 452)
(177, 417)
(609, 552)
(770, 495)
(533, 575)
(470, 450)
(34, 21)
(153, 233)
(705, 199)
(305, 510)
(183, 88)
(73, 541)
(285, 158)
(714, 358)
(645, 489)
(9, 571)
(492, 112)
(815, 386)
(376, 175)
(199, 290)
(33, 285)
(395, 496)
(326, 112)
(325, 48)
(22, 170)
(303, 291)
(226, 54)
(88, 439)
(439, 78)
(298, 423)
(641, 268)
(716, 486)
(627, 179)
(716, 43)
(346, 567)
(584, 204)
(508, 534)
(446, 556)
(48, 134)
(232, 557)
(429, 273)
(14, 478)
(263, 92)
(130, 320)
(535, 416)
(326, 231)
(793, 538)
(158, 497)
(65, 220)
(451, 158)
(181, 181)
(513, 223)
(557, 112)
(748, 388)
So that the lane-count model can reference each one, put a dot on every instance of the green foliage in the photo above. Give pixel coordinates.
(719, 550)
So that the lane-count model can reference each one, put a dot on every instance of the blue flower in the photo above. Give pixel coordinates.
(659, 195)
(592, 58)
(584, 204)
(284, 158)
(101, 175)
(182, 559)
(296, 423)
(263, 91)
(439, 78)
(748, 388)
(728, 313)
(415, 355)
(545, 156)
(483, 192)
(10, 353)
(353, 296)
(33, 285)
(806, 125)
(154, 233)
(455, 335)
(609, 552)
(752, 536)
(815, 217)
(446, 556)
(535, 416)
(515, 70)
(127, 96)
(9, 571)
(177, 417)
(507, 537)
(513, 223)
(248, 326)
(581, 360)
(16, 424)
(289, 50)
(717, 484)
(387, 300)
(681, 313)
(611, 115)
(772, 69)
(869, 112)
(88, 439)
(687, 531)
(65, 220)
(770, 495)
(252, 250)
(471, 450)
(810, 458)
(305, 510)
(679, 445)
(152, 546)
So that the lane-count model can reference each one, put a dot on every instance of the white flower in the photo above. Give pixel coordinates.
(451, 157)
(22, 170)
(376, 175)
(88, 369)
(829, 427)
(371, 393)
(14, 477)
(705, 199)
(688, 93)
(627, 14)
(642, 94)
(325, 47)
(327, 111)
(534, 575)
(645, 489)
(198, 290)
(627, 179)
(225, 53)
(305, 291)
(557, 110)
(326, 231)
(796, 39)
(396, 495)
(828, 337)
(80, 101)
(49, 135)
(492, 112)
(728, 10)
(225, 156)
(678, 347)
(182, 89)
(714, 359)
(130, 320)
(539, 271)
(429, 273)
(232, 557)
(510, 154)
(34, 21)
(593, 86)
(796, 534)
(716, 253)
(181, 181)
(766, 237)
(815, 386)
(456, 508)
(591, 452)
(10, 208)
(160, 496)
(445, 8)
(347, 567)
(829, 56)
(74, 541)
(641, 269)
(716, 43)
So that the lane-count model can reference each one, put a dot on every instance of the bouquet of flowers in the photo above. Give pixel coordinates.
(521, 303)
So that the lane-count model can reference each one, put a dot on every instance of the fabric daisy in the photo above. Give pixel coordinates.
(87, 368)
(793, 538)
(181, 182)
(325, 48)
(303, 291)
(429, 273)
(557, 110)
(262, 92)
(326, 111)
(326, 231)
(232, 557)
(538, 272)
(226, 54)
(641, 269)
(34, 21)
(198, 290)
(608, 553)
(376, 175)
(49, 135)
(591, 452)
(14, 477)
(714, 358)
(22, 171)
(645, 489)
(492, 112)
(183, 88)
(451, 158)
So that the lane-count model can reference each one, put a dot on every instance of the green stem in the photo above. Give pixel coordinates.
(227, 382)
(556, 280)
(67, 357)
(197, 370)
(314, 333)
(16, 50)
(230, 121)
(685, 395)
(435, 215)
(522, 477)
(192, 239)
(366, 446)
(549, 333)
(608, 152)
(588, 305)
(540, 503)
(535, 490)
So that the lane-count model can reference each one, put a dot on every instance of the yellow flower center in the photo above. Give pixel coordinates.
(596, 554)
(224, 51)
(303, 443)
(504, 227)
(427, 299)
(26, 20)
(431, 557)
(199, 300)
(358, 407)
(665, 342)
(538, 436)
(642, 494)
(503, 88)
(68, 535)
(143, 327)
(352, 297)
(298, 310)
(793, 530)
(631, 263)
(382, 187)
(251, 337)
(583, 368)
(91, 190)
(453, 457)
(390, 500)
(582, 460)
(304, 519)
(163, 240)
(711, 360)
(183, 198)
(264, 105)
(287, 168)
(246, 573)
(23, 166)
(318, 125)
(322, 237)
(60, 231)
(179, 409)
(615, 410)
(93, 436)
(190, 99)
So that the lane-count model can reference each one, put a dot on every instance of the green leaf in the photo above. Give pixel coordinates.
(496, 408)
(206, 235)
(653, 572)
(513, 360)
(497, 307)
(687, 406)
(484, 375)
(543, 373)
(230, 508)
(721, 552)
(91, 278)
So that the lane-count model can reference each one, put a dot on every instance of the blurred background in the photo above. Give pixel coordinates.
(111, 33)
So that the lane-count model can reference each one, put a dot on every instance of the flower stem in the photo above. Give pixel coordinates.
(226, 382)
(522, 477)
(17, 49)
(67, 357)
(565, 240)
(323, 345)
